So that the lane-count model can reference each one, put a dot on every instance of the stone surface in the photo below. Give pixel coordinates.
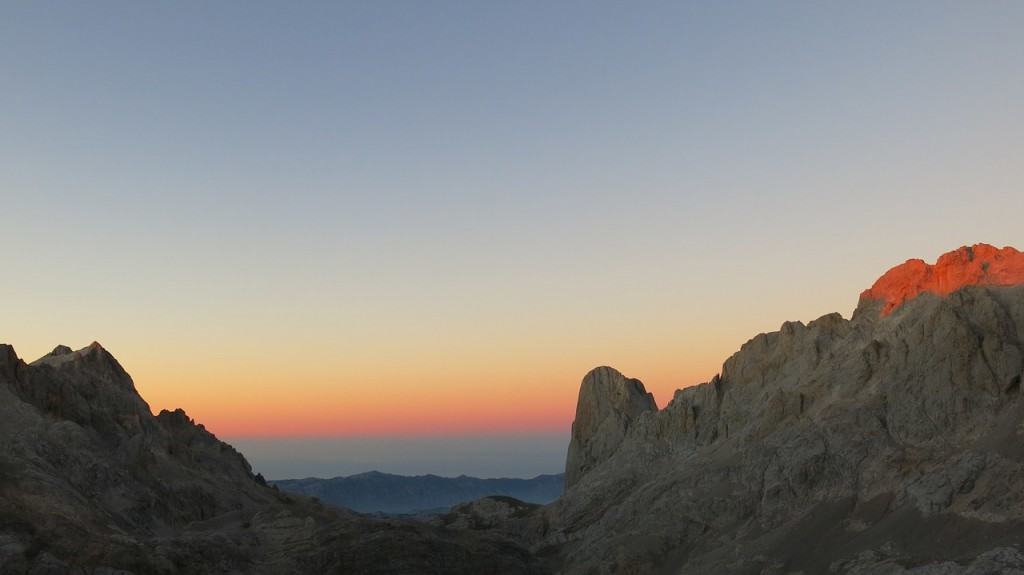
(889, 443)
(608, 404)
(92, 482)
(980, 264)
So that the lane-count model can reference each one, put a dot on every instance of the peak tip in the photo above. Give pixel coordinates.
(977, 264)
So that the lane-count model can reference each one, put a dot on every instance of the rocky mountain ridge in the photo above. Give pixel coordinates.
(977, 265)
(889, 443)
(608, 404)
(92, 482)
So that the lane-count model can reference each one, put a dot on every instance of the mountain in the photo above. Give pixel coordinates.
(92, 482)
(377, 492)
(889, 443)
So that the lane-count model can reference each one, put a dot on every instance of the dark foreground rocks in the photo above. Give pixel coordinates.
(92, 482)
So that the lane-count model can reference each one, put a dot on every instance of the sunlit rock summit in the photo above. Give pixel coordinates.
(889, 443)
(977, 265)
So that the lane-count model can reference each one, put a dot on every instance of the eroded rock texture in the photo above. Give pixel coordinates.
(890, 443)
(92, 482)
(608, 404)
(980, 264)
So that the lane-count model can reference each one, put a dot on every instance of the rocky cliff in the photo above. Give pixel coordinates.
(92, 482)
(889, 443)
(608, 404)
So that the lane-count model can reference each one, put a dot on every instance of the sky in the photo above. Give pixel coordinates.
(313, 223)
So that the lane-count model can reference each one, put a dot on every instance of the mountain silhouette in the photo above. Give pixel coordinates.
(376, 492)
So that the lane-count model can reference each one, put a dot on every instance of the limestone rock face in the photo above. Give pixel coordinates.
(980, 264)
(889, 443)
(608, 404)
(88, 387)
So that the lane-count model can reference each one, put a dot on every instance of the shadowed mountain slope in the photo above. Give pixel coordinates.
(92, 482)
(888, 442)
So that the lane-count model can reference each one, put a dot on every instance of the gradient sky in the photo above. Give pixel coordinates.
(388, 219)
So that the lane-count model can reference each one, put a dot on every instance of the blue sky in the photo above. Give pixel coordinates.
(315, 212)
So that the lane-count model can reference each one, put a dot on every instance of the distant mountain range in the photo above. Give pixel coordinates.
(376, 492)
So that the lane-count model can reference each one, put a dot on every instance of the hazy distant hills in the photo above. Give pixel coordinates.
(377, 492)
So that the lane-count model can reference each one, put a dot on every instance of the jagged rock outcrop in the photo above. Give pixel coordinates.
(92, 482)
(608, 404)
(889, 443)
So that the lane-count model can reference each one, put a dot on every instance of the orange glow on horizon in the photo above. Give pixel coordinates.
(276, 405)
(299, 376)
